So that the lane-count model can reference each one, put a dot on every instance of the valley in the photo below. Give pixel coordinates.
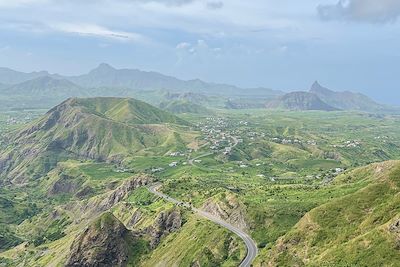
(270, 174)
(199, 133)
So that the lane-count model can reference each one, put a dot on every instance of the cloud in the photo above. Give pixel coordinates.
(372, 11)
(4, 48)
(98, 31)
(166, 2)
(19, 3)
(215, 5)
(200, 46)
(183, 45)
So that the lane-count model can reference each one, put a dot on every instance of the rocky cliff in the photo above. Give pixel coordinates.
(105, 242)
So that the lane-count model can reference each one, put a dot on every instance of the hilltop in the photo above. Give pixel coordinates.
(300, 101)
(101, 129)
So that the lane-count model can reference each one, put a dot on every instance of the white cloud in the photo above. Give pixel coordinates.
(200, 47)
(375, 11)
(98, 31)
(183, 45)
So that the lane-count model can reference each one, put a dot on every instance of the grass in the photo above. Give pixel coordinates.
(288, 190)
(352, 229)
(101, 171)
(198, 241)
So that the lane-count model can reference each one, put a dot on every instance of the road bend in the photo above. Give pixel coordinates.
(251, 245)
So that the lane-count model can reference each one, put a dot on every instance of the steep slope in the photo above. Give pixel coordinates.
(300, 101)
(105, 242)
(345, 100)
(102, 129)
(360, 229)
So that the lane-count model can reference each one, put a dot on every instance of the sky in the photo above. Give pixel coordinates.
(280, 44)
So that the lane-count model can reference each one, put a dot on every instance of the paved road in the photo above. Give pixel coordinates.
(250, 243)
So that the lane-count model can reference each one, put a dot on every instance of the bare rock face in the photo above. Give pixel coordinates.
(105, 242)
(84, 192)
(137, 215)
(122, 191)
(395, 229)
(229, 209)
(64, 185)
(166, 223)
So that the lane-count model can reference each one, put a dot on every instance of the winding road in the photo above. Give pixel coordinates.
(249, 242)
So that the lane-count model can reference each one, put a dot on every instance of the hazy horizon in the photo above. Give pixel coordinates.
(199, 133)
(346, 45)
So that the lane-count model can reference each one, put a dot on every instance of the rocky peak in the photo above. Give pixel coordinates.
(105, 242)
(103, 68)
(316, 87)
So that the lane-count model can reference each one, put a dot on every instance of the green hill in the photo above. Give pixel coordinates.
(184, 106)
(300, 101)
(101, 129)
(359, 229)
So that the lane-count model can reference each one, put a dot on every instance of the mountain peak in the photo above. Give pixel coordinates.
(300, 101)
(317, 87)
(104, 67)
(316, 84)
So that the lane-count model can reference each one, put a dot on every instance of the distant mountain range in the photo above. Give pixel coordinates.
(44, 90)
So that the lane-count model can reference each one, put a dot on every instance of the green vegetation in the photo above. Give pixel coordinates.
(354, 229)
(199, 242)
(184, 106)
(290, 179)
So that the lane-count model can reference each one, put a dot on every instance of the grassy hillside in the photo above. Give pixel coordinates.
(358, 229)
(199, 242)
(102, 129)
(129, 111)
(183, 106)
